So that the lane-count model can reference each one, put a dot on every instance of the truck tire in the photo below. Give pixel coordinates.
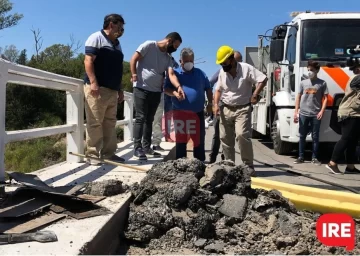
(280, 147)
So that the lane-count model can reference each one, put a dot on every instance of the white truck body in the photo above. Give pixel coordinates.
(323, 37)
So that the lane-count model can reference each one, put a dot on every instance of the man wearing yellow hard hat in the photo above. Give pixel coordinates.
(234, 89)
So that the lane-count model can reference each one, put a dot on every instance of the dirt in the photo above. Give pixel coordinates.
(184, 207)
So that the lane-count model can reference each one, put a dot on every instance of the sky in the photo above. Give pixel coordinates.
(203, 25)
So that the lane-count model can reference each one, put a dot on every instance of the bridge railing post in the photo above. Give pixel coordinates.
(3, 83)
(128, 115)
(75, 115)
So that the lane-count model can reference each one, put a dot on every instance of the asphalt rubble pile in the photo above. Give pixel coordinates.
(184, 206)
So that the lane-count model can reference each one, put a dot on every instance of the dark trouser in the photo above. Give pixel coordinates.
(306, 123)
(146, 104)
(199, 151)
(350, 134)
(215, 146)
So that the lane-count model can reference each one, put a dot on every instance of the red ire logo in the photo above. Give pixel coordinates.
(181, 125)
(334, 229)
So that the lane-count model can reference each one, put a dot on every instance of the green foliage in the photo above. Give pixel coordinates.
(29, 107)
(32, 155)
(8, 20)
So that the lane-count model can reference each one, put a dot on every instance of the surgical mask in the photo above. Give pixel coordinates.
(311, 74)
(170, 49)
(227, 68)
(188, 66)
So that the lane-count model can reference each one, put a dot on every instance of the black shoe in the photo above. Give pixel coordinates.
(116, 158)
(352, 171)
(158, 148)
(139, 153)
(222, 157)
(300, 160)
(150, 152)
(334, 169)
(316, 162)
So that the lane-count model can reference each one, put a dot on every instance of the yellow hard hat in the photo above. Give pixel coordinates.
(223, 53)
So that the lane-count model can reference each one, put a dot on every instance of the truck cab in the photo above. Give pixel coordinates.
(324, 37)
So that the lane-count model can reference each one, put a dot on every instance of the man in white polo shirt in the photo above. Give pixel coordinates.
(234, 89)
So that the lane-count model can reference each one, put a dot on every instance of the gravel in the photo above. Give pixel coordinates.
(184, 207)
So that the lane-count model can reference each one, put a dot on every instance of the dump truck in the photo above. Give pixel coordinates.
(326, 37)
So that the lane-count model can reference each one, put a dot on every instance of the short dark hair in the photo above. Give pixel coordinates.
(174, 36)
(314, 64)
(114, 18)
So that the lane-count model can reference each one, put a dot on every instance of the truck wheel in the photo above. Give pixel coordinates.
(280, 147)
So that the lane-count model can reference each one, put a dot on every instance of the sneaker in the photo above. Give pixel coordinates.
(116, 158)
(158, 148)
(300, 160)
(316, 162)
(139, 153)
(334, 169)
(352, 171)
(151, 152)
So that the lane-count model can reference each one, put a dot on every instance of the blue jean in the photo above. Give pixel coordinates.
(199, 151)
(307, 123)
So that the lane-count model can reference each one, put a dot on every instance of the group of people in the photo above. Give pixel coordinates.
(161, 84)
(310, 106)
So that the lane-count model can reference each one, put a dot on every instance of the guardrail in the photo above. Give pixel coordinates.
(74, 127)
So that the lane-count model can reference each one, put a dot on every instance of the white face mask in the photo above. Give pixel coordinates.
(188, 66)
(311, 74)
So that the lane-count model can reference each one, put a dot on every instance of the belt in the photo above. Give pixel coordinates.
(235, 106)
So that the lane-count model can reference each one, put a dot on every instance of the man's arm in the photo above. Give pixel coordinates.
(169, 89)
(92, 46)
(326, 93)
(258, 78)
(214, 78)
(298, 97)
(173, 78)
(138, 55)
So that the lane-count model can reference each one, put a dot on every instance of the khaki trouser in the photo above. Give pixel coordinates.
(236, 121)
(101, 113)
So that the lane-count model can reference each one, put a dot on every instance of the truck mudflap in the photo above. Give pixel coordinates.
(334, 122)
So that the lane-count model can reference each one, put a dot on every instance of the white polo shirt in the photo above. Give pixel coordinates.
(238, 91)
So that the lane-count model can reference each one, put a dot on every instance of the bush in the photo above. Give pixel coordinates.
(35, 154)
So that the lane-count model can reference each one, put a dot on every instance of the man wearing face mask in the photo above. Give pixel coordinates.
(215, 145)
(309, 109)
(234, 89)
(194, 83)
(103, 88)
(148, 64)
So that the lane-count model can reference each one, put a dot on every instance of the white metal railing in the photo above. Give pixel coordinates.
(74, 127)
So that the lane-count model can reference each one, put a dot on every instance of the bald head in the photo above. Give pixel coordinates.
(237, 56)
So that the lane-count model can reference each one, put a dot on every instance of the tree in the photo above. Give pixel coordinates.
(38, 42)
(22, 59)
(10, 53)
(8, 20)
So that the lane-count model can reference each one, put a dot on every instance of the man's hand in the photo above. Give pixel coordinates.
(120, 96)
(216, 110)
(133, 78)
(320, 115)
(94, 89)
(296, 117)
(254, 99)
(178, 96)
(181, 92)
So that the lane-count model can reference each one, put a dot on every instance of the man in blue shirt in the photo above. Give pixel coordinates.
(194, 83)
(215, 146)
